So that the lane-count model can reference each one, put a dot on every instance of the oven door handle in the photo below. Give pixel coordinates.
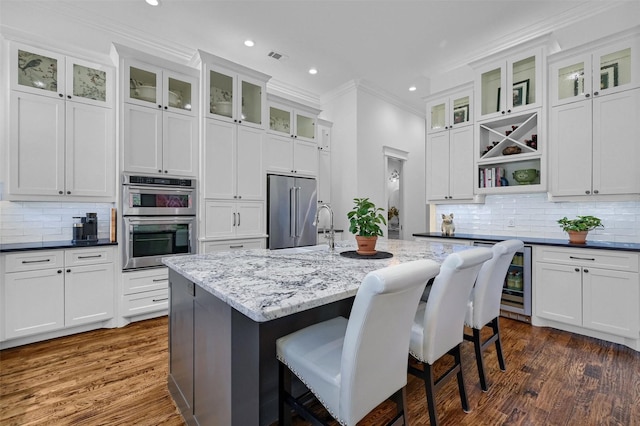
(156, 190)
(161, 219)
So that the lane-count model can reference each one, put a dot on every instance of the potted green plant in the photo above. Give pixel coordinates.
(365, 220)
(579, 227)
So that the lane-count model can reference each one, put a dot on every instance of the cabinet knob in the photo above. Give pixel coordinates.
(68, 270)
(159, 171)
(68, 96)
(595, 191)
(595, 93)
(60, 192)
(59, 271)
(235, 196)
(166, 171)
(587, 192)
(586, 271)
(509, 110)
(586, 95)
(577, 269)
(239, 196)
(166, 107)
(68, 192)
(235, 121)
(239, 121)
(61, 95)
(503, 112)
(160, 106)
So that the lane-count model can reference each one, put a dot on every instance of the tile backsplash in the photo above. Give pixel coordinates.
(534, 216)
(25, 222)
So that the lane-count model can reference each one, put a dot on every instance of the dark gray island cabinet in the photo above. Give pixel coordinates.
(228, 308)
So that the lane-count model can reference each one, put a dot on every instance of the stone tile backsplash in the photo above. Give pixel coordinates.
(534, 216)
(25, 222)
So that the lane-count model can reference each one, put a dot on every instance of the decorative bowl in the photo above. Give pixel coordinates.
(175, 100)
(221, 108)
(146, 93)
(525, 176)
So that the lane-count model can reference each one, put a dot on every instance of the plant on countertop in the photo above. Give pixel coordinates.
(365, 218)
(580, 224)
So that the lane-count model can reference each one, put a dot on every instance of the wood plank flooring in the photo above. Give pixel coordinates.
(118, 377)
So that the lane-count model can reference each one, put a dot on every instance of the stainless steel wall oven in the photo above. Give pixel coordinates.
(158, 219)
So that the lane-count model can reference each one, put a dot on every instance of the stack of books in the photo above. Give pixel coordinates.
(492, 177)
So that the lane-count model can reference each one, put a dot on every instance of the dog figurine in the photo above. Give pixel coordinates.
(448, 228)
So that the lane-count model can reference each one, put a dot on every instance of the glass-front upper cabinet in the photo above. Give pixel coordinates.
(288, 118)
(445, 111)
(606, 70)
(235, 97)
(50, 74)
(154, 87)
(520, 73)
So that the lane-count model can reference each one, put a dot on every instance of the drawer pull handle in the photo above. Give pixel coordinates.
(238, 246)
(581, 258)
(159, 280)
(160, 300)
(90, 257)
(36, 261)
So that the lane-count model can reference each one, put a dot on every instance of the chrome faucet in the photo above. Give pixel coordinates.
(332, 233)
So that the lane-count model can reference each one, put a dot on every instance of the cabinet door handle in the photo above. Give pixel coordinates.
(595, 191)
(238, 246)
(160, 300)
(68, 270)
(238, 219)
(596, 93)
(577, 269)
(587, 192)
(582, 258)
(90, 257)
(159, 280)
(36, 261)
(586, 95)
(59, 271)
(586, 271)
(234, 219)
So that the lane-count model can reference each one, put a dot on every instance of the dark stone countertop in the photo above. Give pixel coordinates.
(52, 245)
(538, 241)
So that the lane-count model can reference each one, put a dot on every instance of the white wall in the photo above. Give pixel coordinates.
(536, 217)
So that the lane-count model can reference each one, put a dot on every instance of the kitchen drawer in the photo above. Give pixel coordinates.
(212, 246)
(146, 280)
(605, 259)
(143, 303)
(88, 256)
(34, 260)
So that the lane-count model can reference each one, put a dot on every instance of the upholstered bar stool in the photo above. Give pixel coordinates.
(438, 325)
(351, 366)
(483, 308)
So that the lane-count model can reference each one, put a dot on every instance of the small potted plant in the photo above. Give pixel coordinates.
(579, 227)
(365, 220)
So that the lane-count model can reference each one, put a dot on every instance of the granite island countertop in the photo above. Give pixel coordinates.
(268, 284)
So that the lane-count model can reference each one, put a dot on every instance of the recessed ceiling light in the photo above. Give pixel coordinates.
(249, 43)
(153, 2)
(313, 71)
(412, 88)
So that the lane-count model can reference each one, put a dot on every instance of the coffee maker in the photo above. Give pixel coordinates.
(86, 230)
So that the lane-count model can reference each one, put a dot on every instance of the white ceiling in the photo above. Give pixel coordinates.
(390, 45)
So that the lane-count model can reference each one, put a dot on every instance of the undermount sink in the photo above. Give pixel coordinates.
(300, 250)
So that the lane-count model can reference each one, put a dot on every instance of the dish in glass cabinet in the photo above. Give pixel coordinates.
(37, 71)
(175, 100)
(145, 93)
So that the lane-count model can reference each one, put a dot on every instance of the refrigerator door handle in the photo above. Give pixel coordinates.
(292, 212)
(297, 210)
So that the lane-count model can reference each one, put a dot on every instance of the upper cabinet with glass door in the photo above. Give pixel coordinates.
(512, 81)
(155, 87)
(234, 93)
(445, 112)
(46, 73)
(609, 67)
(289, 118)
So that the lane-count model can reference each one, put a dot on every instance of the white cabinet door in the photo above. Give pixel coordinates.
(36, 145)
(461, 172)
(249, 219)
(324, 177)
(570, 149)
(558, 293)
(250, 180)
(438, 166)
(220, 219)
(90, 154)
(616, 130)
(611, 301)
(219, 159)
(305, 158)
(33, 302)
(89, 294)
(179, 144)
(142, 139)
(279, 154)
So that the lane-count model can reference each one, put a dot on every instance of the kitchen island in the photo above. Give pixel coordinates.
(228, 308)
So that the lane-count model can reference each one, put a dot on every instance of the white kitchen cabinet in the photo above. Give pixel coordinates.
(62, 143)
(145, 293)
(233, 162)
(291, 156)
(239, 244)
(450, 174)
(288, 118)
(159, 115)
(450, 109)
(46, 291)
(596, 290)
(324, 177)
(234, 93)
(510, 82)
(593, 149)
(324, 134)
(229, 219)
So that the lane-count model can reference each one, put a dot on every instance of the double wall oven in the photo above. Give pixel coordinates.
(159, 219)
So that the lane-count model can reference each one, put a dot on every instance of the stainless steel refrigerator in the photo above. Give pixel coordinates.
(292, 205)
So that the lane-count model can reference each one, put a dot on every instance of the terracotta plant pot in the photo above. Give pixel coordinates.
(578, 237)
(366, 245)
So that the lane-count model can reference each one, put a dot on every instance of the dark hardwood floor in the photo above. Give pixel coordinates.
(118, 377)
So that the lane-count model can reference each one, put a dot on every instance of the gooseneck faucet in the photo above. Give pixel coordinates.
(331, 230)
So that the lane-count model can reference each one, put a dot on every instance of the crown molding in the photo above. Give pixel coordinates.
(339, 91)
(285, 90)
